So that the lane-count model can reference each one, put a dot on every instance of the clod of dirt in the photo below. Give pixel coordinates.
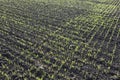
(72, 46)
(118, 44)
(119, 26)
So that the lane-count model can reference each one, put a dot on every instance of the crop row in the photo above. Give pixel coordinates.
(51, 42)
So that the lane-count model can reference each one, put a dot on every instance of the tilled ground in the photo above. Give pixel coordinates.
(52, 42)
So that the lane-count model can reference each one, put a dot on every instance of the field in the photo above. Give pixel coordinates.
(59, 39)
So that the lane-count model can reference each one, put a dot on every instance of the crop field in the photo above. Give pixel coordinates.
(59, 39)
